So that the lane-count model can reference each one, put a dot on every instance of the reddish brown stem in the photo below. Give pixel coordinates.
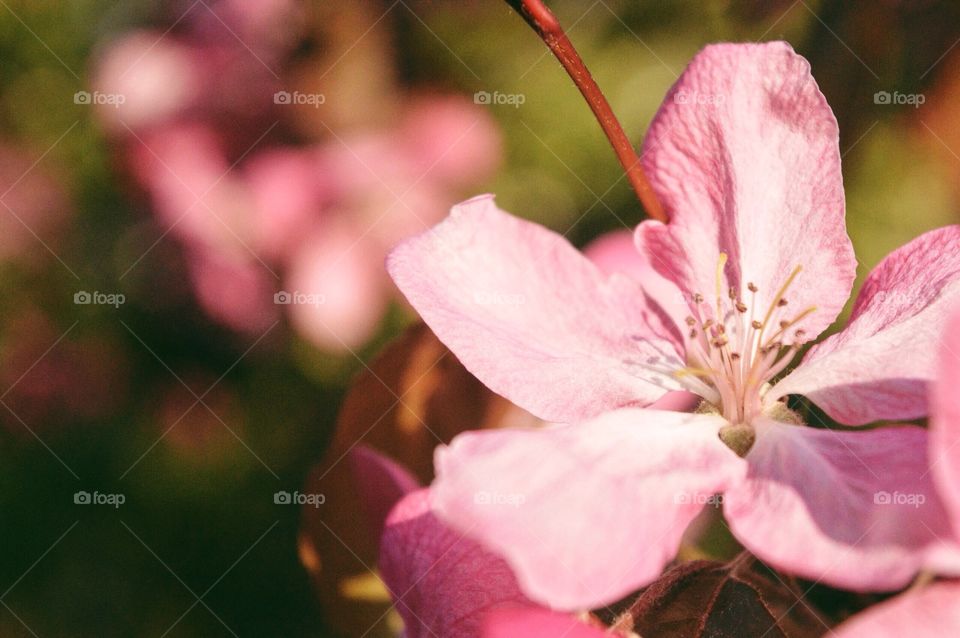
(538, 16)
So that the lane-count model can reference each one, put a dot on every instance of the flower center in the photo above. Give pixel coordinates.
(734, 347)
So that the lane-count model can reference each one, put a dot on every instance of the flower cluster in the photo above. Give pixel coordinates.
(223, 149)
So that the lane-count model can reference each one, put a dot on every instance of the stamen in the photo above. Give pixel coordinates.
(786, 324)
(691, 371)
(731, 354)
(779, 296)
(782, 363)
(721, 262)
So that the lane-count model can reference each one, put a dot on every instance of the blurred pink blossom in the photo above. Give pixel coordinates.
(345, 288)
(290, 191)
(451, 140)
(194, 191)
(267, 27)
(257, 217)
(155, 74)
(233, 290)
(757, 247)
(323, 217)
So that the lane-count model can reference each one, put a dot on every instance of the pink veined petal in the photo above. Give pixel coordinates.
(616, 252)
(537, 623)
(442, 583)
(945, 419)
(677, 401)
(744, 155)
(585, 513)
(381, 484)
(880, 365)
(534, 319)
(853, 509)
(933, 612)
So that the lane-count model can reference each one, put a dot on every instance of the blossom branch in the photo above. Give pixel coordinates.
(538, 16)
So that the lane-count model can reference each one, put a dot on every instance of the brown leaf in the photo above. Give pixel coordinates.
(707, 599)
(414, 396)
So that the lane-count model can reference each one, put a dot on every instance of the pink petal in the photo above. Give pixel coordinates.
(932, 612)
(537, 623)
(585, 513)
(381, 484)
(616, 252)
(879, 366)
(442, 583)
(945, 419)
(853, 509)
(744, 156)
(532, 318)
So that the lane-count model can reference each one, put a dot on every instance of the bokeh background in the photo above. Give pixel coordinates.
(196, 198)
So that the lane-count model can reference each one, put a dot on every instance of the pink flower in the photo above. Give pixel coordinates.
(744, 155)
(933, 610)
(443, 583)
